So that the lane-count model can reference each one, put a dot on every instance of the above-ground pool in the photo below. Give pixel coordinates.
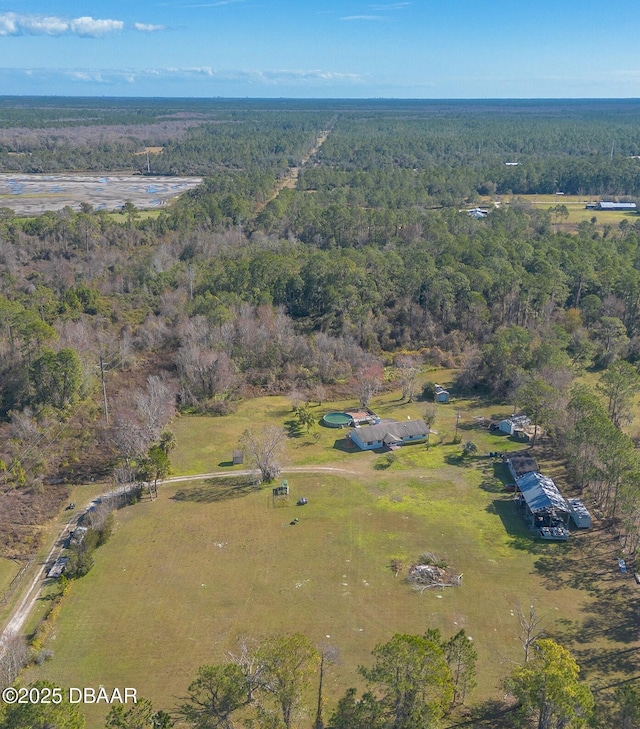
(337, 420)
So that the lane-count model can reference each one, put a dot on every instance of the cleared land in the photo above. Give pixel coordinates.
(185, 574)
(576, 207)
(28, 194)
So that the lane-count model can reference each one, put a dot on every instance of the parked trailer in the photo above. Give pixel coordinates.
(579, 513)
(57, 568)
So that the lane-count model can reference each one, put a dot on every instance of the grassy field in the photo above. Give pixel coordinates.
(8, 570)
(184, 575)
(576, 206)
(206, 444)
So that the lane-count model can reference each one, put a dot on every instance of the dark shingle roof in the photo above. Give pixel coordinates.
(399, 429)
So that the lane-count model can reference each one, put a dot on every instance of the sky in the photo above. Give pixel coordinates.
(313, 49)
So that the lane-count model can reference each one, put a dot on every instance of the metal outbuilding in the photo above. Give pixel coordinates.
(579, 514)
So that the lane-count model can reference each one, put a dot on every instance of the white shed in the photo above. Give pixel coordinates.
(579, 513)
(517, 422)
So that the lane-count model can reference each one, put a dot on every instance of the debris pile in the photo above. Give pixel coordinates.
(431, 572)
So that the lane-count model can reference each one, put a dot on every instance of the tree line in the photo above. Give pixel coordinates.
(412, 682)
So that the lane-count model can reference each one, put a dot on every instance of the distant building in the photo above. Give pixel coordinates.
(604, 205)
(394, 433)
(441, 395)
(478, 213)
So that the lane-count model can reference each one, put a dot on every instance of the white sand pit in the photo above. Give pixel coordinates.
(30, 194)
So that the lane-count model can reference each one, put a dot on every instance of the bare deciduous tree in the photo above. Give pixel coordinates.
(155, 405)
(407, 374)
(368, 382)
(296, 398)
(319, 394)
(245, 658)
(129, 436)
(429, 417)
(265, 449)
(13, 657)
(329, 656)
(530, 627)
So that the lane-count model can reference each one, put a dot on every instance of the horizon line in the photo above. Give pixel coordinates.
(323, 98)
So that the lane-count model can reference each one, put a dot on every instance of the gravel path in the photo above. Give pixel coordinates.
(23, 609)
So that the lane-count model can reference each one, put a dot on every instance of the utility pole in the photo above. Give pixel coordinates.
(191, 282)
(455, 437)
(104, 390)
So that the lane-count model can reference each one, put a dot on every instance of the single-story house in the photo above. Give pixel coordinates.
(517, 422)
(393, 433)
(441, 395)
(617, 206)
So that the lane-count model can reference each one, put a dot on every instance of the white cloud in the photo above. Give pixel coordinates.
(42, 25)
(87, 27)
(299, 77)
(53, 25)
(273, 78)
(89, 76)
(215, 4)
(364, 17)
(148, 27)
(391, 6)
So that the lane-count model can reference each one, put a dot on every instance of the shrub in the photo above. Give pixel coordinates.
(385, 461)
(428, 391)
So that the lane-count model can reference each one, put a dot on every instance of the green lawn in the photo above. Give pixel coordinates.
(184, 575)
(206, 444)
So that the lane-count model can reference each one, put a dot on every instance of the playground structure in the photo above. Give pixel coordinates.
(280, 494)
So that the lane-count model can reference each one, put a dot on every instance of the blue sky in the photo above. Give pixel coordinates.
(309, 48)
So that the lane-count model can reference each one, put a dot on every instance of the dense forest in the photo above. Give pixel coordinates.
(369, 261)
(367, 257)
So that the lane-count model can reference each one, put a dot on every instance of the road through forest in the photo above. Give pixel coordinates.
(290, 180)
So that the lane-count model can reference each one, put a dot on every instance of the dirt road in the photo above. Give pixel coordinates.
(290, 180)
(26, 603)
